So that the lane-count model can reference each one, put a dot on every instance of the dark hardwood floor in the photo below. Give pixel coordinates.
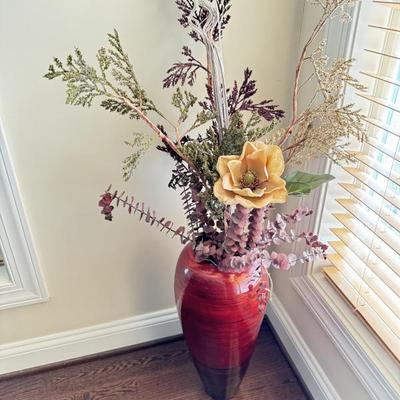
(160, 372)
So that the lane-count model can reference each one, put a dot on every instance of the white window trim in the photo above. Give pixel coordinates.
(318, 295)
(26, 284)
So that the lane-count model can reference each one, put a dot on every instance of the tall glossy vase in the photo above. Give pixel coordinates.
(221, 319)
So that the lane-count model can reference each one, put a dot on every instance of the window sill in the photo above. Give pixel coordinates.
(4, 278)
(359, 347)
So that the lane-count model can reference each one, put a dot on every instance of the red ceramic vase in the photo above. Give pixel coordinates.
(221, 315)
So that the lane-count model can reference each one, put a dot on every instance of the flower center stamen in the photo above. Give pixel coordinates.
(249, 180)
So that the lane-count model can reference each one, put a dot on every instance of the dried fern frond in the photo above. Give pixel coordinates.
(184, 71)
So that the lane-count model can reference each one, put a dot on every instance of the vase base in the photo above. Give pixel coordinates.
(221, 384)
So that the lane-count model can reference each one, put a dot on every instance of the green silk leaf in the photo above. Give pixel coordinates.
(300, 183)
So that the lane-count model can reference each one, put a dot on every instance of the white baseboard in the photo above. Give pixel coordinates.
(316, 381)
(87, 341)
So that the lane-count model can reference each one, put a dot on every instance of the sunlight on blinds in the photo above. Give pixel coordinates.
(365, 261)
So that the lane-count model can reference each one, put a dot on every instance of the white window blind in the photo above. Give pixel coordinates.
(365, 258)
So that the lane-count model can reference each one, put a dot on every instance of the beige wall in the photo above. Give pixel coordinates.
(65, 156)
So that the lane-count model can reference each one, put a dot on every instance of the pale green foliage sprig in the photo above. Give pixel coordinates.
(204, 153)
(183, 101)
(114, 80)
(274, 136)
(234, 137)
(115, 84)
(83, 83)
(202, 118)
(255, 131)
(139, 144)
(239, 132)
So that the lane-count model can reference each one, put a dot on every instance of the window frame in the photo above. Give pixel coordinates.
(26, 285)
(358, 346)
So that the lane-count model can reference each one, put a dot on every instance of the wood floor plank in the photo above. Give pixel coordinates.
(161, 372)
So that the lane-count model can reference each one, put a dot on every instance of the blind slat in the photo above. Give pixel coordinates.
(384, 28)
(381, 125)
(367, 286)
(380, 102)
(380, 53)
(366, 180)
(382, 78)
(372, 240)
(366, 310)
(355, 190)
(388, 151)
(374, 166)
(389, 237)
(379, 209)
(376, 259)
(392, 4)
(350, 250)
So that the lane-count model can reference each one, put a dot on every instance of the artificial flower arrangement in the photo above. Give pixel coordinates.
(232, 172)
(231, 160)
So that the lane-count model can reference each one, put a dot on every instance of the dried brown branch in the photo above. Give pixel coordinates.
(329, 8)
(163, 137)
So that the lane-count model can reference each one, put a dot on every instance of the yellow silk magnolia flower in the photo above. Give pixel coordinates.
(252, 179)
